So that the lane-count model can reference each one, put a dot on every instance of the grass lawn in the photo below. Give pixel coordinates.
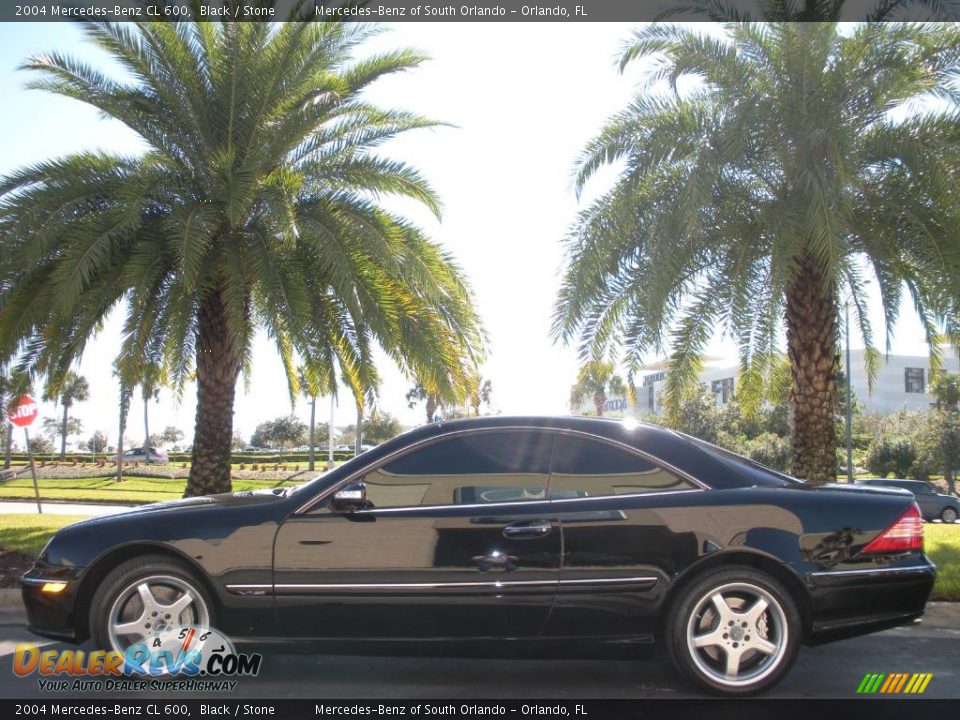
(107, 489)
(28, 533)
(942, 544)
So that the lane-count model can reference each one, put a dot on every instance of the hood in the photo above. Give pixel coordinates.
(246, 497)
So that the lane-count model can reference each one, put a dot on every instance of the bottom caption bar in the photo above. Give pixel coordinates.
(891, 707)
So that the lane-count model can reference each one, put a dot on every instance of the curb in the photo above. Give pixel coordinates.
(942, 614)
(10, 600)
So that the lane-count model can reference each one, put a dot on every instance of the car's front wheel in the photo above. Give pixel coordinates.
(734, 631)
(145, 595)
(949, 515)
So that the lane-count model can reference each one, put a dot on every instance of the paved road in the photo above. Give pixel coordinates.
(828, 671)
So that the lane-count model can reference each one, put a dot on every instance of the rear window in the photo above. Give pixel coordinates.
(749, 470)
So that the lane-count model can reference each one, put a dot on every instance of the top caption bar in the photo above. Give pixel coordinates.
(488, 11)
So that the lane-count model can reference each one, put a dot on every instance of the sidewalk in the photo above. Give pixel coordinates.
(58, 507)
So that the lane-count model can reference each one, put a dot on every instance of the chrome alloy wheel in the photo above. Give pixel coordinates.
(737, 634)
(154, 603)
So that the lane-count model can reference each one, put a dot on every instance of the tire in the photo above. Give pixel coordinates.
(121, 614)
(948, 515)
(764, 647)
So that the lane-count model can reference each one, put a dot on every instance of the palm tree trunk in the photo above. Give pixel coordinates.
(124, 409)
(219, 361)
(811, 345)
(599, 400)
(6, 425)
(63, 435)
(146, 428)
(6, 430)
(313, 426)
(431, 408)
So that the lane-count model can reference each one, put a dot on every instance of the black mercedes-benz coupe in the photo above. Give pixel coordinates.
(525, 529)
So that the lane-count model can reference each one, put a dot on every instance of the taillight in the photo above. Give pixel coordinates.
(905, 534)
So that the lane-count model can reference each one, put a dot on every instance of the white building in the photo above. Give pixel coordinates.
(903, 381)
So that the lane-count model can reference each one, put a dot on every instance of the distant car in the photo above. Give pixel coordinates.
(138, 455)
(251, 449)
(343, 448)
(932, 504)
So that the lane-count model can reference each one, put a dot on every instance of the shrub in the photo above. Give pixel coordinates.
(771, 450)
(891, 455)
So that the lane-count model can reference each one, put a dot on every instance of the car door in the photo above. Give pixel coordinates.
(926, 498)
(624, 535)
(457, 541)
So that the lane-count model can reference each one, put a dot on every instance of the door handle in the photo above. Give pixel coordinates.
(528, 531)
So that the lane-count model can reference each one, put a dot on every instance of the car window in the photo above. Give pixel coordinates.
(584, 467)
(484, 467)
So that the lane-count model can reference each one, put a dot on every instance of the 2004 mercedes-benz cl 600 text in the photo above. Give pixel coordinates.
(530, 529)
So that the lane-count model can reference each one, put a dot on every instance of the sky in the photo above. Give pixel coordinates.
(523, 98)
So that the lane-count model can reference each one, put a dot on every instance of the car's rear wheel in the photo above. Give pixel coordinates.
(734, 631)
(949, 515)
(145, 595)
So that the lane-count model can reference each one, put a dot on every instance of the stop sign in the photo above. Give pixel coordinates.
(23, 412)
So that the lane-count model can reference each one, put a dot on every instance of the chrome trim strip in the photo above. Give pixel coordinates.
(42, 581)
(308, 505)
(874, 571)
(243, 589)
(491, 584)
(612, 581)
(412, 508)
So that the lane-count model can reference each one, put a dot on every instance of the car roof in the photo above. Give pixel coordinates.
(707, 463)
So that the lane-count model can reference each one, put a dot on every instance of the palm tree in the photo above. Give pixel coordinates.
(811, 10)
(152, 378)
(435, 397)
(70, 389)
(481, 393)
(122, 371)
(254, 207)
(312, 386)
(594, 379)
(945, 388)
(762, 196)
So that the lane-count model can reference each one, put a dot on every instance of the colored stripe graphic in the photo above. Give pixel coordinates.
(891, 681)
(894, 683)
(870, 683)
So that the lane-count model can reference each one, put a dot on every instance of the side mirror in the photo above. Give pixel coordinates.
(350, 498)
